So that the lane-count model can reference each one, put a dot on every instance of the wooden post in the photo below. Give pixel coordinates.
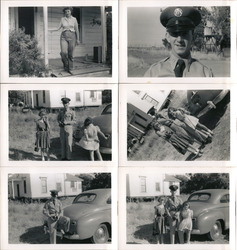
(13, 193)
(45, 18)
(104, 33)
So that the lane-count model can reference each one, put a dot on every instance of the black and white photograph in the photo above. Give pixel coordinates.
(59, 208)
(178, 125)
(178, 41)
(182, 208)
(60, 124)
(60, 41)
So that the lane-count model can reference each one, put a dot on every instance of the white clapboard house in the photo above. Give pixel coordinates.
(52, 98)
(37, 21)
(145, 100)
(149, 184)
(36, 186)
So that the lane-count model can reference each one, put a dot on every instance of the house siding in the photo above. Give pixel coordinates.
(91, 35)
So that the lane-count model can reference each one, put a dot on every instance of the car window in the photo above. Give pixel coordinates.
(199, 197)
(225, 199)
(84, 198)
(107, 110)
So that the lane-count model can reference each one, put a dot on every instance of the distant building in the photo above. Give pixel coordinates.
(52, 98)
(149, 184)
(38, 186)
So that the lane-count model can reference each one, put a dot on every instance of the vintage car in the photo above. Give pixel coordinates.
(104, 121)
(90, 216)
(201, 101)
(210, 212)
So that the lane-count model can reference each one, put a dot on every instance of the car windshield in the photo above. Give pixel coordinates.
(85, 198)
(199, 197)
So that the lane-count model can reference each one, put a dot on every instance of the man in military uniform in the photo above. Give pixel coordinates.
(53, 210)
(66, 119)
(173, 206)
(179, 23)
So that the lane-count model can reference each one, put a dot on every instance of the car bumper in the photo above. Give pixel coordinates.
(72, 237)
(196, 231)
(104, 150)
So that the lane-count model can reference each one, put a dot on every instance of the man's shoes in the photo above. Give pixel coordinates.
(63, 159)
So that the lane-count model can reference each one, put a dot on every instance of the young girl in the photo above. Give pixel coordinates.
(190, 123)
(185, 225)
(159, 228)
(43, 135)
(90, 140)
(178, 140)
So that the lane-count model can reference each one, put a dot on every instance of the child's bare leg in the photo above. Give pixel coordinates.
(42, 154)
(92, 155)
(99, 155)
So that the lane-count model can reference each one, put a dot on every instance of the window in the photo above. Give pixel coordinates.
(25, 187)
(43, 96)
(157, 186)
(85, 198)
(59, 186)
(43, 185)
(225, 199)
(150, 100)
(74, 186)
(143, 184)
(92, 94)
(78, 97)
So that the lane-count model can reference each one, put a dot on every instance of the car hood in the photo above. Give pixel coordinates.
(104, 122)
(200, 207)
(77, 210)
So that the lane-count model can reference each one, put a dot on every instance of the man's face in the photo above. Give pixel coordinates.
(180, 42)
(66, 105)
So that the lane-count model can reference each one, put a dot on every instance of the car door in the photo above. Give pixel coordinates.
(224, 202)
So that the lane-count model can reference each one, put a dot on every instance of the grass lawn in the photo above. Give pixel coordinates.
(155, 148)
(139, 61)
(140, 217)
(22, 135)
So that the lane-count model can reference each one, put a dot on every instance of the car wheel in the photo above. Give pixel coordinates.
(101, 234)
(216, 231)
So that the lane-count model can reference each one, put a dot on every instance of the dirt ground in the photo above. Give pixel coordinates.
(155, 148)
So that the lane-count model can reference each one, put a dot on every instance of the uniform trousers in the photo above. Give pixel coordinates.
(52, 230)
(66, 141)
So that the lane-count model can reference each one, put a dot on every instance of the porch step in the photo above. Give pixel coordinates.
(84, 72)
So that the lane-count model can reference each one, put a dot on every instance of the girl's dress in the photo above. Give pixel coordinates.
(180, 144)
(186, 220)
(42, 135)
(159, 223)
(92, 133)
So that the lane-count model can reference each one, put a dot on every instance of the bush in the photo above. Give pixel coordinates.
(24, 54)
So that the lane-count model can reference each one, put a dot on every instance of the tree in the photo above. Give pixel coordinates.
(95, 181)
(206, 181)
(14, 97)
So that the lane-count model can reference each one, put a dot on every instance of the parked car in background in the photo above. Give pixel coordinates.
(210, 212)
(104, 121)
(90, 216)
(201, 101)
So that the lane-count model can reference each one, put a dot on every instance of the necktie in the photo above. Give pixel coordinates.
(179, 68)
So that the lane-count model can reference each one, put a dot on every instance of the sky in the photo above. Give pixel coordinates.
(144, 26)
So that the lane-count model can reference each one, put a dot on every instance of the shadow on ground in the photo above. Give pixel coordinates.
(78, 153)
(35, 235)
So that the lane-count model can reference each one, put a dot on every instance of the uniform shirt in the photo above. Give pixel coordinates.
(67, 116)
(69, 23)
(173, 204)
(52, 209)
(165, 68)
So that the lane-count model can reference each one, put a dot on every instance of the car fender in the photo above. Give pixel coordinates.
(206, 220)
(87, 224)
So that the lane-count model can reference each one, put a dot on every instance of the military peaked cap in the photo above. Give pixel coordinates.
(54, 192)
(65, 100)
(173, 187)
(177, 19)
